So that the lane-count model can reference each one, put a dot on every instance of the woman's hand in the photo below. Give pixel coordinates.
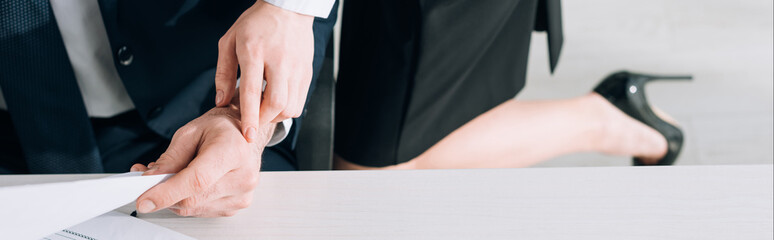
(266, 42)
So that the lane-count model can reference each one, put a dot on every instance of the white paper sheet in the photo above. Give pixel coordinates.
(116, 225)
(36, 211)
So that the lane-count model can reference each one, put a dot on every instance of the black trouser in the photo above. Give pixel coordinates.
(413, 71)
(124, 140)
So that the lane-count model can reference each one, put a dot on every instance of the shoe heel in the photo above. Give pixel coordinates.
(625, 90)
(649, 77)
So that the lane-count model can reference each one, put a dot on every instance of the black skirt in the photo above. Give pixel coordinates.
(411, 72)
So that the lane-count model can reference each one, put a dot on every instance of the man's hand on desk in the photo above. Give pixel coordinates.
(272, 43)
(217, 170)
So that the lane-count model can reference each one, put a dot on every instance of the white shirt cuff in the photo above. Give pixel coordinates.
(317, 8)
(280, 132)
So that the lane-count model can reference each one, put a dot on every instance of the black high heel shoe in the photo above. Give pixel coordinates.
(626, 91)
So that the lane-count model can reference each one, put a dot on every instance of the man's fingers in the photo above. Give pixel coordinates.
(201, 174)
(236, 182)
(179, 153)
(204, 198)
(226, 71)
(276, 95)
(137, 167)
(223, 207)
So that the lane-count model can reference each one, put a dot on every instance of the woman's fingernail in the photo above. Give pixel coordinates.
(218, 97)
(250, 134)
(146, 206)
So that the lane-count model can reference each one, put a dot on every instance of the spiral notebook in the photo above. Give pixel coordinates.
(116, 225)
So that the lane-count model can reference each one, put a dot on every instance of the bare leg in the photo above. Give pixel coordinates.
(523, 133)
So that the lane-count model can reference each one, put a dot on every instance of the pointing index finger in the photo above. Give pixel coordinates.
(250, 93)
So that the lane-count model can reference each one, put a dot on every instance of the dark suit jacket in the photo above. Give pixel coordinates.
(173, 50)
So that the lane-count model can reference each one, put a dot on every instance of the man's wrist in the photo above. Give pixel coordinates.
(265, 132)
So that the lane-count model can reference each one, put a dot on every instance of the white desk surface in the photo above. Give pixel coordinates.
(683, 202)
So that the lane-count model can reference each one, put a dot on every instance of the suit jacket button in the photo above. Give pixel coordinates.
(155, 112)
(125, 56)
